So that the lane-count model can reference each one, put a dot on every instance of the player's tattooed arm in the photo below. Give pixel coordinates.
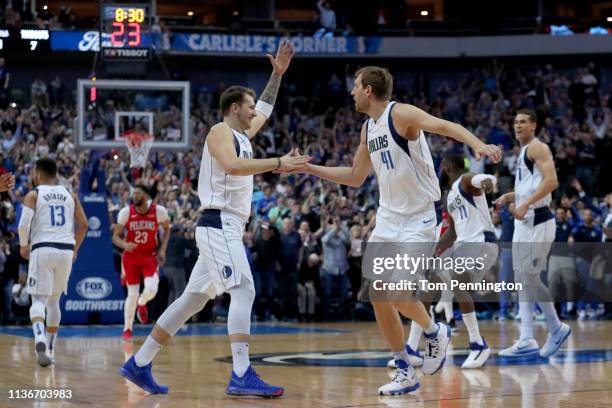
(270, 92)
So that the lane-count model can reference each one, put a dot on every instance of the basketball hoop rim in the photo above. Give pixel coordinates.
(131, 138)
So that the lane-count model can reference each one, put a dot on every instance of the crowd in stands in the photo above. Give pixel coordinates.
(305, 235)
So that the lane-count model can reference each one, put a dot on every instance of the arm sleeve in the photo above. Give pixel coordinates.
(25, 222)
(123, 216)
(162, 214)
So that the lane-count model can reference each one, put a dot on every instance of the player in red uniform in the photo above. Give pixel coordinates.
(141, 253)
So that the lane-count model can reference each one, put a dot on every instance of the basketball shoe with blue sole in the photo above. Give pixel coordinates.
(415, 358)
(435, 349)
(554, 340)
(142, 377)
(251, 384)
(522, 348)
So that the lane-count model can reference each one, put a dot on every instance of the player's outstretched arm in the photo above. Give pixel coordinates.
(266, 101)
(539, 153)
(407, 116)
(351, 176)
(81, 225)
(221, 146)
(25, 223)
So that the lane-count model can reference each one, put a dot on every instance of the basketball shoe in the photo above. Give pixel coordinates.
(405, 380)
(435, 349)
(251, 384)
(142, 377)
(522, 348)
(554, 340)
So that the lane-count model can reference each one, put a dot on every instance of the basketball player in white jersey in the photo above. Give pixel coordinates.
(393, 143)
(469, 235)
(51, 230)
(225, 189)
(534, 232)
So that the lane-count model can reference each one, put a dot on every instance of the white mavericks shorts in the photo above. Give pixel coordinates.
(414, 236)
(222, 262)
(49, 268)
(531, 242)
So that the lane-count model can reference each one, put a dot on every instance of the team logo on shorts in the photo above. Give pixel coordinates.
(227, 272)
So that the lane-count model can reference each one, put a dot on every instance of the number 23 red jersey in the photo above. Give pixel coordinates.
(142, 228)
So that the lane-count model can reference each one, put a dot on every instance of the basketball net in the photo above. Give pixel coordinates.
(139, 146)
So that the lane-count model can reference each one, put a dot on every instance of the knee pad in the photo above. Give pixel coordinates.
(151, 283)
(38, 307)
(54, 313)
(241, 304)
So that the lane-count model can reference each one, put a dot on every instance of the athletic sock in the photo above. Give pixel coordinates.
(240, 358)
(552, 319)
(471, 323)
(39, 332)
(147, 352)
(525, 311)
(415, 336)
(401, 356)
(432, 328)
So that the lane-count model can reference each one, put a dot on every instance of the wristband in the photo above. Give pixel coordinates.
(279, 163)
(264, 107)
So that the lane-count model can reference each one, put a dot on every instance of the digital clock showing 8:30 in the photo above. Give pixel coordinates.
(125, 24)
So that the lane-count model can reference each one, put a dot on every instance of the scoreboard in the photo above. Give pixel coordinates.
(25, 41)
(125, 25)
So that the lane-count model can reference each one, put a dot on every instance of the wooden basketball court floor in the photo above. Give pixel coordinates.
(320, 365)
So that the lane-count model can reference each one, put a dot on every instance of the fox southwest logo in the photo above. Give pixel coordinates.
(379, 358)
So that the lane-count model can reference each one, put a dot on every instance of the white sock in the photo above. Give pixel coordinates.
(552, 319)
(415, 336)
(129, 311)
(240, 357)
(39, 332)
(472, 326)
(51, 338)
(448, 311)
(526, 320)
(432, 328)
(147, 352)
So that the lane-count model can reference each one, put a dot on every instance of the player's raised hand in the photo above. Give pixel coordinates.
(487, 186)
(284, 54)
(494, 153)
(7, 182)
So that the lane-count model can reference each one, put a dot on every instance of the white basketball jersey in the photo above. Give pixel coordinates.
(53, 217)
(526, 182)
(219, 190)
(470, 214)
(406, 176)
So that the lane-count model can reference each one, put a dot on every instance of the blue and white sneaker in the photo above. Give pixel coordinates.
(415, 358)
(479, 354)
(554, 341)
(435, 349)
(522, 348)
(142, 377)
(251, 384)
(404, 380)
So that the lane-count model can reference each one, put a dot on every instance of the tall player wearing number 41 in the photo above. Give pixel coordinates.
(140, 253)
(49, 239)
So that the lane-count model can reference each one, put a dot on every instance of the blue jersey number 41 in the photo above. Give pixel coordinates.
(386, 159)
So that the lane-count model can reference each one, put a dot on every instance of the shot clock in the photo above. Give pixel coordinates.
(125, 31)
